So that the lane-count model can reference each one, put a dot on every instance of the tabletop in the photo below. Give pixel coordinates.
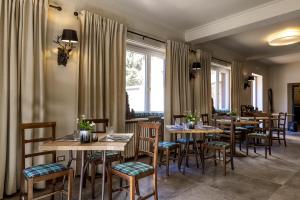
(237, 123)
(104, 143)
(197, 130)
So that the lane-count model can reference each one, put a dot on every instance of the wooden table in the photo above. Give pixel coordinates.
(101, 145)
(172, 129)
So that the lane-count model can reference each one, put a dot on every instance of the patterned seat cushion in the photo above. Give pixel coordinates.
(213, 136)
(249, 127)
(41, 170)
(183, 140)
(242, 129)
(257, 135)
(97, 155)
(133, 168)
(218, 144)
(167, 145)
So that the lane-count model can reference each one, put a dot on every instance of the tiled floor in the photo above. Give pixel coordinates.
(254, 178)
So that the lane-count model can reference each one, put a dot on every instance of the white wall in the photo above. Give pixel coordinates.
(281, 75)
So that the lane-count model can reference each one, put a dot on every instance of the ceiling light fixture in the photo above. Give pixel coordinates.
(285, 37)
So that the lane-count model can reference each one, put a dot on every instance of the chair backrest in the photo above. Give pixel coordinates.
(205, 119)
(147, 136)
(101, 124)
(282, 120)
(180, 117)
(34, 126)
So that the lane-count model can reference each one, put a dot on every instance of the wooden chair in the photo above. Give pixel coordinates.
(165, 148)
(280, 129)
(95, 157)
(265, 134)
(189, 145)
(222, 147)
(44, 172)
(148, 133)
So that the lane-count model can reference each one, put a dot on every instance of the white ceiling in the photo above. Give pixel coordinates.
(253, 44)
(179, 14)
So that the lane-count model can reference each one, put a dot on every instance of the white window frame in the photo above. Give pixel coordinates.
(256, 92)
(222, 68)
(148, 51)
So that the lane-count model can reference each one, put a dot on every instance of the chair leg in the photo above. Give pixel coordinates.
(30, 189)
(167, 161)
(278, 137)
(161, 157)
(70, 184)
(247, 147)
(224, 160)
(155, 186)
(231, 160)
(215, 157)
(284, 139)
(137, 187)
(266, 148)
(270, 145)
(132, 188)
(109, 182)
(53, 188)
(93, 176)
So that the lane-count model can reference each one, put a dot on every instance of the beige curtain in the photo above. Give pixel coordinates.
(177, 81)
(102, 69)
(202, 84)
(236, 85)
(22, 39)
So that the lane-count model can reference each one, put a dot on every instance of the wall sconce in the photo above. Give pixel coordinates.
(65, 45)
(248, 81)
(195, 67)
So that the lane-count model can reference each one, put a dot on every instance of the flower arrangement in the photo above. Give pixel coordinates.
(232, 113)
(84, 124)
(191, 118)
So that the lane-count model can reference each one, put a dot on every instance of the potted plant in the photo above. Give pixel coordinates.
(85, 128)
(191, 120)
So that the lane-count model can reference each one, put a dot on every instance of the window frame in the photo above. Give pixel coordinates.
(148, 51)
(226, 69)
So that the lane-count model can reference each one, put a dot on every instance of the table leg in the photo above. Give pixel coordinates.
(103, 173)
(197, 150)
(82, 171)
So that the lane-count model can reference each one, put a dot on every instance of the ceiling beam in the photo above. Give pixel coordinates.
(255, 17)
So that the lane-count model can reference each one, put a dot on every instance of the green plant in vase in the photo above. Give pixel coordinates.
(85, 127)
(191, 120)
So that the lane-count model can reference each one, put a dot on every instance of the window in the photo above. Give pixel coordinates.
(220, 86)
(257, 92)
(145, 79)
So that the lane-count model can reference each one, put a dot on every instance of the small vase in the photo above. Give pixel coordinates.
(85, 136)
(191, 125)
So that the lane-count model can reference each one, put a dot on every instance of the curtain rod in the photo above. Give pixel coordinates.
(59, 8)
(145, 36)
(221, 60)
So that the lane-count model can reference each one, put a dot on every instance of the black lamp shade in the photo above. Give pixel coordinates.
(69, 35)
(196, 66)
(251, 78)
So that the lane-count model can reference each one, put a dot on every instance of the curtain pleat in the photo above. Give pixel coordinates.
(177, 81)
(22, 39)
(202, 84)
(236, 85)
(102, 69)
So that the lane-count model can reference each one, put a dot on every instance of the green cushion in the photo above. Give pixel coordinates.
(133, 168)
(41, 170)
(167, 145)
(218, 144)
(213, 136)
(183, 140)
(97, 155)
(257, 135)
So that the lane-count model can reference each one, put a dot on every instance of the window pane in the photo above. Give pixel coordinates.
(214, 88)
(135, 80)
(157, 84)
